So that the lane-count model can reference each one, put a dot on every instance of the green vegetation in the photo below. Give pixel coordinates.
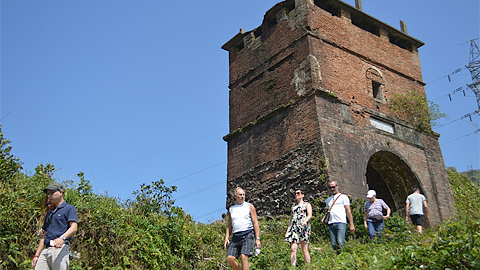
(412, 107)
(474, 175)
(150, 232)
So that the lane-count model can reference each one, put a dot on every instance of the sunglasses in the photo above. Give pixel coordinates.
(332, 187)
(298, 192)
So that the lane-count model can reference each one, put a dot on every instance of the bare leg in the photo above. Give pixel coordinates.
(244, 259)
(306, 255)
(419, 229)
(293, 255)
(232, 261)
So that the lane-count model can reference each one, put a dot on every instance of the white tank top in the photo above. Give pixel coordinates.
(241, 220)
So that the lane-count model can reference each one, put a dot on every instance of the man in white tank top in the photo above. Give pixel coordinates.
(243, 225)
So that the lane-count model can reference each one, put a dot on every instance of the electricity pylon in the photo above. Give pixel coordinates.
(474, 68)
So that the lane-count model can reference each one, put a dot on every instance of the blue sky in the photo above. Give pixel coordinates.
(131, 92)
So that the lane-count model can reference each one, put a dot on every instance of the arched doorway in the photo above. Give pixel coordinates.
(391, 178)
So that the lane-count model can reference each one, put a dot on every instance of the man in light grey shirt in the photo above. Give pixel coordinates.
(416, 209)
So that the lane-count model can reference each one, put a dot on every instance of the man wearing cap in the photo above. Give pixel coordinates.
(373, 217)
(60, 224)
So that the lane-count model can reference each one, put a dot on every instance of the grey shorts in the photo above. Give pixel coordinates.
(241, 244)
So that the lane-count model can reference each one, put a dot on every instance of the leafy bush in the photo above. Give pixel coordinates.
(150, 232)
(413, 108)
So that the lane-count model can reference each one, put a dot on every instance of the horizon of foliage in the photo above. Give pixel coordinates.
(150, 232)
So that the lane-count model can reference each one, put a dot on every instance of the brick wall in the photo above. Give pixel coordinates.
(304, 87)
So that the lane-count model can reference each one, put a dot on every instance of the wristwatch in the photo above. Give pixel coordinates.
(258, 238)
(63, 237)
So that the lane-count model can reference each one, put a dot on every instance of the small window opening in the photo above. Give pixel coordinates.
(376, 88)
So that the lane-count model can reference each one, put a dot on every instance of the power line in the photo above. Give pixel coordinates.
(209, 213)
(199, 191)
(197, 172)
(448, 75)
(458, 69)
(447, 49)
(156, 153)
(469, 115)
(449, 95)
(476, 131)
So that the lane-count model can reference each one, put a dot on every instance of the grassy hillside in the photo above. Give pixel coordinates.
(149, 232)
(473, 175)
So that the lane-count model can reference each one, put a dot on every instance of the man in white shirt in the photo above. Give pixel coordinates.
(339, 212)
(243, 225)
(416, 209)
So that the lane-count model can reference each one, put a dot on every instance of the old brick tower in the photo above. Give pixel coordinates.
(309, 102)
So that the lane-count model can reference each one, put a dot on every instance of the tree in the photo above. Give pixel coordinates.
(9, 164)
(413, 108)
(154, 198)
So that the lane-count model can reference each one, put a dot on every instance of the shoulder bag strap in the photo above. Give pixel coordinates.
(334, 202)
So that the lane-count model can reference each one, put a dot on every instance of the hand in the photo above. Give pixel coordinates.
(40, 233)
(366, 226)
(34, 261)
(58, 242)
(426, 217)
(257, 242)
(406, 218)
(226, 244)
(304, 224)
(352, 228)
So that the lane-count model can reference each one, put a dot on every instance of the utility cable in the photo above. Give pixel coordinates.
(449, 95)
(447, 49)
(199, 191)
(197, 172)
(476, 131)
(465, 116)
(448, 75)
(456, 70)
(209, 213)
(156, 153)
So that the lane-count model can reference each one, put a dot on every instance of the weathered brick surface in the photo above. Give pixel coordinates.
(302, 102)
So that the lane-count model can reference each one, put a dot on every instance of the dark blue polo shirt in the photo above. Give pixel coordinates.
(56, 223)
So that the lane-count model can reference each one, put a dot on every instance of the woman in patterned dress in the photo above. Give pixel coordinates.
(299, 229)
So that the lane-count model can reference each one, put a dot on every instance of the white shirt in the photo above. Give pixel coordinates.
(338, 214)
(240, 215)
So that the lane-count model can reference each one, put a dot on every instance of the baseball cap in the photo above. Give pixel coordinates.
(54, 186)
(371, 193)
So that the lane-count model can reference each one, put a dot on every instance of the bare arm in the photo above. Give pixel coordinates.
(407, 209)
(425, 209)
(229, 230)
(309, 215)
(256, 226)
(71, 230)
(350, 218)
(41, 246)
(365, 219)
(388, 212)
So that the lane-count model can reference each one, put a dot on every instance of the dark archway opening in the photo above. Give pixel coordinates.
(391, 178)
